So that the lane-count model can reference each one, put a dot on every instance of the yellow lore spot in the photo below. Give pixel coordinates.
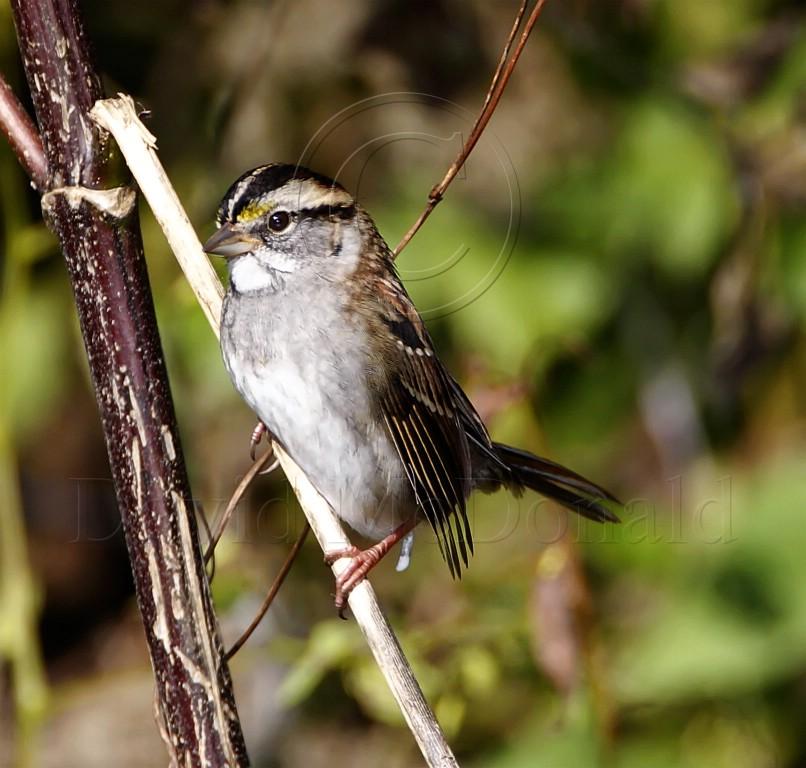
(254, 210)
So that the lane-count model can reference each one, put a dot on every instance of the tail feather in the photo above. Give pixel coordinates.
(559, 483)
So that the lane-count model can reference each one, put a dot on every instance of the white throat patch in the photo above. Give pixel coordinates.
(248, 275)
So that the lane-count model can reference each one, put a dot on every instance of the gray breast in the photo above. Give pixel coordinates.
(298, 363)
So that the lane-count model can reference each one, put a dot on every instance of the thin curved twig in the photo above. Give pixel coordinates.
(498, 83)
(202, 515)
(236, 497)
(272, 593)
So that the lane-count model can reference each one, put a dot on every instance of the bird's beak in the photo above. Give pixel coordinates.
(229, 242)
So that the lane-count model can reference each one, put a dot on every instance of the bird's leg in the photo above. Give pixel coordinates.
(257, 435)
(362, 561)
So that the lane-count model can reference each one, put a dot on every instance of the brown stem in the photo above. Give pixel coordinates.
(273, 590)
(235, 499)
(96, 222)
(23, 137)
(498, 83)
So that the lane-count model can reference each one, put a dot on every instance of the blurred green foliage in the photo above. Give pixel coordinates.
(619, 281)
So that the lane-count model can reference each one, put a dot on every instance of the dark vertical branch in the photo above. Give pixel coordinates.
(97, 225)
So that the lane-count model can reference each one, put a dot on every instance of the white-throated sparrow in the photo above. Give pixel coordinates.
(324, 344)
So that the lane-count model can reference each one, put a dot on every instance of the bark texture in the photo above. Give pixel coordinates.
(93, 211)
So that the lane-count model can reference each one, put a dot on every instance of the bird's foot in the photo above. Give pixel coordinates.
(362, 561)
(257, 435)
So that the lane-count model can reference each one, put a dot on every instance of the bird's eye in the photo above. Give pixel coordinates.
(279, 221)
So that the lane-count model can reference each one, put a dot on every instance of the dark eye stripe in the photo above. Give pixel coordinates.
(343, 212)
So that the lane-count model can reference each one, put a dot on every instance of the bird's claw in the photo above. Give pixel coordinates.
(362, 561)
(257, 436)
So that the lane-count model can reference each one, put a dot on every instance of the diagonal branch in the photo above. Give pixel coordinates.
(23, 137)
(97, 225)
(137, 145)
(501, 76)
(279, 579)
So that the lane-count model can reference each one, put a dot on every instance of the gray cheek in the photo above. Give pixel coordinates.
(315, 239)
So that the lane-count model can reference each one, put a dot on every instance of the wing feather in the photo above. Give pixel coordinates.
(412, 457)
(427, 423)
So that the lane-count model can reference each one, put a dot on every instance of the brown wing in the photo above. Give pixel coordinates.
(426, 420)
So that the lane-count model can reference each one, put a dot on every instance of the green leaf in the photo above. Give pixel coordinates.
(331, 643)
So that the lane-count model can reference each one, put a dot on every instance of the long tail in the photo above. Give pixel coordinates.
(557, 482)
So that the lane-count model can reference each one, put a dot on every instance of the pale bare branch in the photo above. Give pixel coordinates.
(119, 117)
